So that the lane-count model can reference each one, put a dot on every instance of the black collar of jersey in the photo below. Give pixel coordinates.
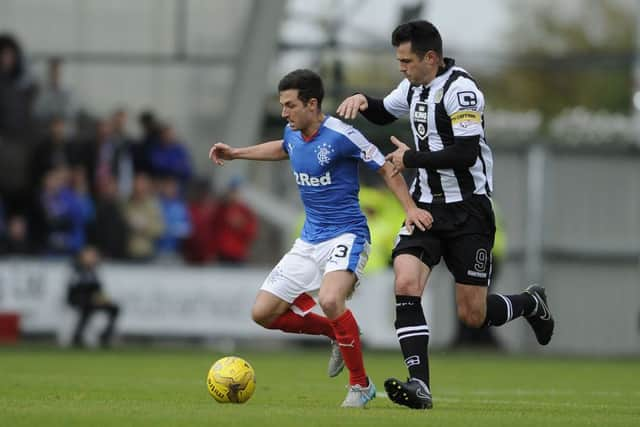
(448, 63)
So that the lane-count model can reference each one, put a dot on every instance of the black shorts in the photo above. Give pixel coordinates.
(462, 234)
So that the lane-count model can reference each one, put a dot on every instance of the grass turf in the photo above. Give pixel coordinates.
(149, 387)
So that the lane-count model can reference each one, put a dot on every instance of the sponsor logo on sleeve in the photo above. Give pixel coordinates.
(368, 154)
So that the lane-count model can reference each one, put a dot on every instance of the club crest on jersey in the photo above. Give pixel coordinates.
(420, 119)
(323, 153)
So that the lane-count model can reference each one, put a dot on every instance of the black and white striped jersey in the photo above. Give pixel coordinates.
(450, 106)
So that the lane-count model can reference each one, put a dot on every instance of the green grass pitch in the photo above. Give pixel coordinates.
(160, 387)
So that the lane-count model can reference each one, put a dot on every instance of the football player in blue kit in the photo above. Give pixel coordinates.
(332, 250)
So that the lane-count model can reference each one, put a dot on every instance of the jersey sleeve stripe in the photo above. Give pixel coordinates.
(369, 151)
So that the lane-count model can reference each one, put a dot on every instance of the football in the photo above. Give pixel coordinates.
(231, 380)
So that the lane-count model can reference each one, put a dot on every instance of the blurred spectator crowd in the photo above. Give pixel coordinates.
(68, 180)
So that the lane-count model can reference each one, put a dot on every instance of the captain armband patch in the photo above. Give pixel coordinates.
(466, 118)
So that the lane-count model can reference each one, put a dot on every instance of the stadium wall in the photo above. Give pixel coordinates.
(214, 304)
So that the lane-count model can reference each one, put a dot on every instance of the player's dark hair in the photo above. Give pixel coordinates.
(423, 35)
(308, 83)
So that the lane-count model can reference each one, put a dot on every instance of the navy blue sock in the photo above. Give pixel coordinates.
(504, 308)
(413, 336)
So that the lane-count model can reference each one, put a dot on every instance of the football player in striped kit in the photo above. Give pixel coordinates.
(331, 253)
(453, 181)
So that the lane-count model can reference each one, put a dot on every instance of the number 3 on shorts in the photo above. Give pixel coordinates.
(339, 251)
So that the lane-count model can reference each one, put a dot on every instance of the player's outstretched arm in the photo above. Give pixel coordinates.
(396, 183)
(270, 151)
(372, 109)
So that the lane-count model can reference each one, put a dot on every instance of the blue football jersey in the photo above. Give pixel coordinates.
(326, 171)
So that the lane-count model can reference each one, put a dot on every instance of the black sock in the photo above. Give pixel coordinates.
(504, 308)
(413, 335)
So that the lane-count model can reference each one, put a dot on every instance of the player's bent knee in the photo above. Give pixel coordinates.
(473, 318)
(406, 285)
(330, 305)
(261, 317)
